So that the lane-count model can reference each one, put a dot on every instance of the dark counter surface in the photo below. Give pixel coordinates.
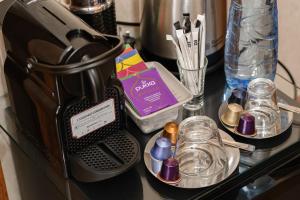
(138, 183)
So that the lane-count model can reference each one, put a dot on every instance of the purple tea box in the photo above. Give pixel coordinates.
(147, 92)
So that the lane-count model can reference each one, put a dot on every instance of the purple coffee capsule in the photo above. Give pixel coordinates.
(170, 170)
(161, 149)
(238, 96)
(246, 124)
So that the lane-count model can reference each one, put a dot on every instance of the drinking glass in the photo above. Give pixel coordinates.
(262, 104)
(193, 80)
(200, 150)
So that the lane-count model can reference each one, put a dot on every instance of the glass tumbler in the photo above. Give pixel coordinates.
(200, 150)
(262, 104)
(193, 80)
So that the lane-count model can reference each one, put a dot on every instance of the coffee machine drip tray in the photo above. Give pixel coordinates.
(105, 159)
(106, 151)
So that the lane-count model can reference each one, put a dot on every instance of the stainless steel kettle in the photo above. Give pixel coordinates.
(159, 16)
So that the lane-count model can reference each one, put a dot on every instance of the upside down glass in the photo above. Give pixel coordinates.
(262, 104)
(193, 80)
(200, 150)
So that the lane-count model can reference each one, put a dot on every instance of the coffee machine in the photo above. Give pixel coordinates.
(61, 82)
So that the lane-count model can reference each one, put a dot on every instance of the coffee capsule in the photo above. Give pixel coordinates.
(155, 165)
(246, 125)
(232, 114)
(161, 149)
(238, 96)
(159, 152)
(171, 132)
(170, 170)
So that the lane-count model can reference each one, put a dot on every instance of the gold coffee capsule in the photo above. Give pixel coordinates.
(170, 132)
(232, 114)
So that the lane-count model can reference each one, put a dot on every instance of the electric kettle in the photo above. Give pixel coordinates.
(158, 19)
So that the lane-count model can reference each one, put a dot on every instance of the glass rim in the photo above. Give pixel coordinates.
(205, 65)
(261, 80)
(196, 119)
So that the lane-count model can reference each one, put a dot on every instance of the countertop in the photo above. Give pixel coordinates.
(138, 183)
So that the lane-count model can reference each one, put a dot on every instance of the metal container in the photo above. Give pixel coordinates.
(100, 14)
(90, 6)
(159, 16)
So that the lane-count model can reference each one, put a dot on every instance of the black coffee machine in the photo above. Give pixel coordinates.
(61, 81)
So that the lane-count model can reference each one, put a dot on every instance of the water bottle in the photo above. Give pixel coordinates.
(251, 46)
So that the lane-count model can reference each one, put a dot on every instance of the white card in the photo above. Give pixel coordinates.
(93, 118)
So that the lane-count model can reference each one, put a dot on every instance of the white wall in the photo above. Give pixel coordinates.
(289, 40)
(289, 35)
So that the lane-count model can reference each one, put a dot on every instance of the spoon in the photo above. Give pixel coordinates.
(246, 147)
(287, 107)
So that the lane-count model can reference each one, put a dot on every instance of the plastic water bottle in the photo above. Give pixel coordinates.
(251, 41)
